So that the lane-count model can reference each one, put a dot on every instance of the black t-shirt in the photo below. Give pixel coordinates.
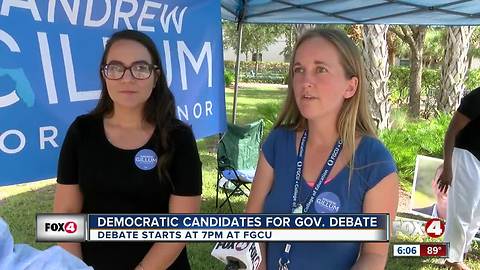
(469, 137)
(111, 182)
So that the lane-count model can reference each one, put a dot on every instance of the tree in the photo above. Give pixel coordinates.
(290, 39)
(302, 28)
(375, 56)
(454, 68)
(355, 33)
(393, 46)
(255, 37)
(414, 36)
(434, 47)
(293, 31)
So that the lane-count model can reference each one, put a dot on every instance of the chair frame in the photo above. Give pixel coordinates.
(238, 183)
(224, 163)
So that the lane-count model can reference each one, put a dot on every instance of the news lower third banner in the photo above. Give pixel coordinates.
(50, 52)
(212, 228)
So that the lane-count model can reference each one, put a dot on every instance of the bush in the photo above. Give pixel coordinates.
(400, 78)
(229, 77)
(473, 79)
(268, 72)
(424, 137)
(263, 67)
(285, 78)
(399, 118)
(262, 78)
(269, 113)
(399, 83)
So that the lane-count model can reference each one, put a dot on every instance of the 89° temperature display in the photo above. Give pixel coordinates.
(420, 250)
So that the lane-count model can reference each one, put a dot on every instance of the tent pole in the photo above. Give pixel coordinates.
(237, 72)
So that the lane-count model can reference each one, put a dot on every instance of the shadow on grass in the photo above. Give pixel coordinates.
(237, 202)
(211, 165)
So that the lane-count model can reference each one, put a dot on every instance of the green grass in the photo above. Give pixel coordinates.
(19, 204)
(249, 99)
(19, 212)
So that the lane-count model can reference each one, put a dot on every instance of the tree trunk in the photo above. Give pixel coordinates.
(375, 56)
(454, 68)
(416, 68)
(414, 36)
(256, 62)
(290, 42)
(391, 47)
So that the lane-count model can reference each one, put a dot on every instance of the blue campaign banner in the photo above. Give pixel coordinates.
(49, 70)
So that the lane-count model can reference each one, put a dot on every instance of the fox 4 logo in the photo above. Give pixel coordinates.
(434, 227)
(68, 227)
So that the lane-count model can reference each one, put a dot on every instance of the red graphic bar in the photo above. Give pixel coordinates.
(434, 250)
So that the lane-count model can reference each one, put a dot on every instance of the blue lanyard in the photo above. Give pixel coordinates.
(297, 207)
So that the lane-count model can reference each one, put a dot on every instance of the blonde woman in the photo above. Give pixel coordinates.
(326, 124)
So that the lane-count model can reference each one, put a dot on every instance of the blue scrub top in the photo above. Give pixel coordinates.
(372, 163)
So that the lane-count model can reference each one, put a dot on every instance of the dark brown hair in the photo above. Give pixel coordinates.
(159, 109)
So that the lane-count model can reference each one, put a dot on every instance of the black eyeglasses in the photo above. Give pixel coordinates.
(139, 70)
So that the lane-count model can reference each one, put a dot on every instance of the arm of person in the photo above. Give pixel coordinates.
(186, 175)
(374, 255)
(68, 199)
(260, 187)
(459, 121)
(162, 255)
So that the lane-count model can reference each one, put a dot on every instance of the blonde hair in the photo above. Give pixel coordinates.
(354, 118)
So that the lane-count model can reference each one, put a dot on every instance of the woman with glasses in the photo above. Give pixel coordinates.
(130, 155)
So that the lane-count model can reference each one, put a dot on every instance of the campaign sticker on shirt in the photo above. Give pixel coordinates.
(146, 159)
(327, 203)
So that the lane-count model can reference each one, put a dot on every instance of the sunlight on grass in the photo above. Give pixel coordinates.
(8, 191)
(250, 97)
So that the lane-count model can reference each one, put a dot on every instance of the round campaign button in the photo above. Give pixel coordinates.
(146, 159)
(327, 203)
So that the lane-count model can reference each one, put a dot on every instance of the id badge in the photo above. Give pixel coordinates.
(298, 209)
